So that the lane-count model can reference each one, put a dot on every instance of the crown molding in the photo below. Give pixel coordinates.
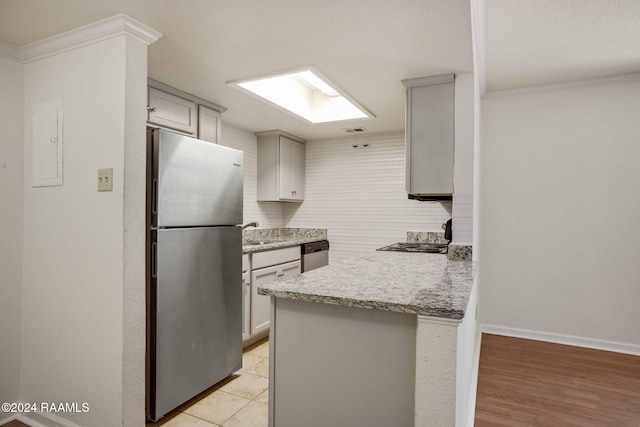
(95, 32)
(9, 51)
(564, 85)
(139, 31)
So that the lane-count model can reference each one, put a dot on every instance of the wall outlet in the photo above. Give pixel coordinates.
(105, 179)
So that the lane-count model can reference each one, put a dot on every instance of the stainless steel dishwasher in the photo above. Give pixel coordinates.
(315, 255)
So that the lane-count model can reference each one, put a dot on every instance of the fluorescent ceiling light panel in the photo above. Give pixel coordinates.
(318, 83)
(307, 95)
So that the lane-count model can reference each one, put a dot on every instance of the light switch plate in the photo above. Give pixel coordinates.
(105, 179)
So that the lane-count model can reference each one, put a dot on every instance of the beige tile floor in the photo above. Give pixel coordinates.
(239, 401)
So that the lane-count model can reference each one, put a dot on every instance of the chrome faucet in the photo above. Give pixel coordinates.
(251, 224)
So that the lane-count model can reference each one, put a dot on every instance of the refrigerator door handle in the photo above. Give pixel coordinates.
(154, 260)
(154, 195)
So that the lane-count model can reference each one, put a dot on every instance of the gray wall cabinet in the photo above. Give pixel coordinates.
(176, 110)
(280, 167)
(430, 137)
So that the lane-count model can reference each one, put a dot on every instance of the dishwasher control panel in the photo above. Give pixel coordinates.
(315, 255)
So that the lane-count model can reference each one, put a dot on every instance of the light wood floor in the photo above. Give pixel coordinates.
(241, 400)
(533, 383)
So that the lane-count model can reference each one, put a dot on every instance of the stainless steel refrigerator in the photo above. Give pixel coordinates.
(194, 267)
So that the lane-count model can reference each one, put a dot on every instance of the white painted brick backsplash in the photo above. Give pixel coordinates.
(359, 195)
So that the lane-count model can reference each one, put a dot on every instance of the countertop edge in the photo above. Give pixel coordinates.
(368, 304)
(422, 284)
(249, 249)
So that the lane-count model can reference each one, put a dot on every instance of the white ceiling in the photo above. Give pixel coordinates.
(365, 46)
(536, 42)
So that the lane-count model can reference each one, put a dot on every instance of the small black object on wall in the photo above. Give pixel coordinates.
(448, 234)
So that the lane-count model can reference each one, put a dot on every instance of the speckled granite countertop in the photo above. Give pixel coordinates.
(268, 245)
(264, 239)
(416, 283)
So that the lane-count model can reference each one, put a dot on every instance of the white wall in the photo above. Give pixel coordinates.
(467, 358)
(268, 214)
(11, 227)
(134, 244)
(359, 195)
(560, 218)
(74, 247)
(463, 159)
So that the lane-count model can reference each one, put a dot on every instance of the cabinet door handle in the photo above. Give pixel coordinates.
(152, 109)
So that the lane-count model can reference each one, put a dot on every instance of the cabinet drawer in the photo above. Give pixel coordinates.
(246, 265)
(276, 256)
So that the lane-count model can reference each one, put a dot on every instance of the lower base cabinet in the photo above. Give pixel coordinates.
(246, 305)
(265, 267)
(261, 305)
(246, 295)
(369, 353)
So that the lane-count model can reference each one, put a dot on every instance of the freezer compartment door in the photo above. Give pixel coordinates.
(198, 183)
(198, 312)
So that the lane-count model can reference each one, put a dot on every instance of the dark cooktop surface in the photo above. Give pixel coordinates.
(433, 248)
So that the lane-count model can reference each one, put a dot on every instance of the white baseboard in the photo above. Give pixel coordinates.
(7, 420)
(21, 418)
(616, 347)
(254, 339)
(473, 393)
(43, 419)
(28, 421)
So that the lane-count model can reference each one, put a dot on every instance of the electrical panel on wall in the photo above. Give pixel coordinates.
(47, 144)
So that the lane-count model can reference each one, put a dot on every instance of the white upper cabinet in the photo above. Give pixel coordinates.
(171, 111)
(430, 137)
(209, 124)
(291, 173)
(280, 167)
(174, 109)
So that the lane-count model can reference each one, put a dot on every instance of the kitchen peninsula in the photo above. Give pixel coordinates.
(387, 338)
